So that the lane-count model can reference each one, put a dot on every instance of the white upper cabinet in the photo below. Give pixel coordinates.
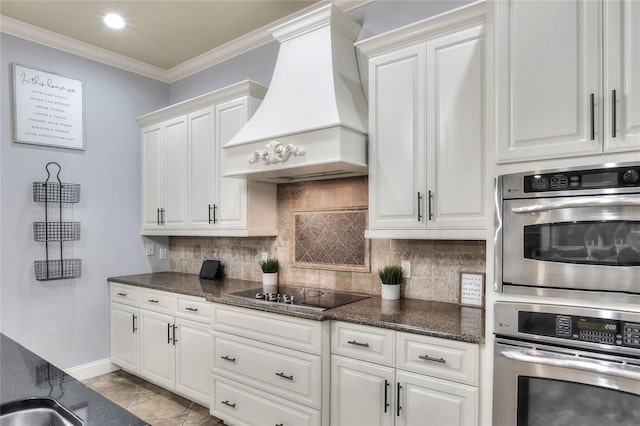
(174, 214)
(184, 192)
(555, 83)
(456, 130)
(622, 75)
(202, 160)
(232, 212)
(397, 148)
(427, 128)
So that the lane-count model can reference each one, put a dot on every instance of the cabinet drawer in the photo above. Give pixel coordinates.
(294, 333)
(446, 359)
(290, 374)
(363, 342)
(240, 405)
(193, 308)
(126, 294)
(158, 301)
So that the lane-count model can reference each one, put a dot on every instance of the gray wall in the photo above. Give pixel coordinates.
(67, 321)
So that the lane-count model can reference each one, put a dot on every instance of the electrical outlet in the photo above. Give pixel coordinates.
(264, 255)
(163, 253)
(149, 249)
(406, 267)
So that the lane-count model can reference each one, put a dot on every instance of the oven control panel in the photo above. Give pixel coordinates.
(587, 329)
(621, 177)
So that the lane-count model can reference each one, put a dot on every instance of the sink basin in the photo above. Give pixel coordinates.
(37, 412)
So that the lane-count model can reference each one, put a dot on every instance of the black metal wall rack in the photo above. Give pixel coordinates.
(54, 195)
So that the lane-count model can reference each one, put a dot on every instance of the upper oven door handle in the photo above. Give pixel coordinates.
(579, 202)
(568, 361)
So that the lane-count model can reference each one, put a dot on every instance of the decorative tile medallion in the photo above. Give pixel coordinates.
(331, 239)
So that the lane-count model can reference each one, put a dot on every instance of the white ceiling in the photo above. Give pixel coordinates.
(163, 34)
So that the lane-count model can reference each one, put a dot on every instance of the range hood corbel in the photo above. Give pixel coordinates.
(312, 123)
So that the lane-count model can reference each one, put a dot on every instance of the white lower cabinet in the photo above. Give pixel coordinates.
(125, 345)
(361, 393)
(389, 392)
(164, 338)
(424, 400)
(157, 350)
(193, 357)
(242, 405)
(260, 379)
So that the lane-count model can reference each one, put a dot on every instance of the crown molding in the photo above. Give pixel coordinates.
(236, 47)
(67, 44)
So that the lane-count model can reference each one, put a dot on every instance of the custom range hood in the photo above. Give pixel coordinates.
(312, 123)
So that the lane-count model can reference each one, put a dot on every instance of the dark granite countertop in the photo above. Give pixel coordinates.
(24, 374)
(437, 319)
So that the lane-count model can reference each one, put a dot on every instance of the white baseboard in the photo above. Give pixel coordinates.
(92, 369)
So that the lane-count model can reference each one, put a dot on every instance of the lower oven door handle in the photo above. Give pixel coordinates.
(579, 202)
(563, 361)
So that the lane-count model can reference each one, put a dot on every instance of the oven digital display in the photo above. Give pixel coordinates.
(599, 180)
(607, 327)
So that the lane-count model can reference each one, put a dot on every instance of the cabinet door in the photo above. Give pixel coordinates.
(231, 210)
(157, 351)
(203, 157)
(175, 173)
(548, 72)
(362, 393)
(193, 360)
(397, 175)
(622, 68)
(124, 336)
(152, 183)
(427, 401)
(456, 130)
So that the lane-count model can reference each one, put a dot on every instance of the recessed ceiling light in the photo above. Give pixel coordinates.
(115, 21)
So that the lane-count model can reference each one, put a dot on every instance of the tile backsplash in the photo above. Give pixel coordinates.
(435, 264)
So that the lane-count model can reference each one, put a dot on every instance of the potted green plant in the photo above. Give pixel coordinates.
(269, 268)
(391, 277)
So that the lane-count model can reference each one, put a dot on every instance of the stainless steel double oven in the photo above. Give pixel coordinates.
(571, 233)
(565, 366)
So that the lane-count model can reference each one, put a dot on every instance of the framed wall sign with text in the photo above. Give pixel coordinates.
(48, 109)
(472, 289)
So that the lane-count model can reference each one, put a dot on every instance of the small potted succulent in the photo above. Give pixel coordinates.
(391, 277)
(269, 268)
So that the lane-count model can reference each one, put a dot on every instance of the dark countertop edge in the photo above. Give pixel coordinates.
(303, 313)
(19, 373)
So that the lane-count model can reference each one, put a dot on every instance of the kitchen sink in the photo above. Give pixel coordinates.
(37, 412)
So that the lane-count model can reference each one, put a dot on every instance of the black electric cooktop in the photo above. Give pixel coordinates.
(299, 297)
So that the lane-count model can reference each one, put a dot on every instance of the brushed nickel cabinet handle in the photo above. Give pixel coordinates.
(226, 358)
(228, 404)
(428, 358)
(356, 343)
(593, 116)
(613, 113)
(189, 308)
(284, 376)
(386, 395)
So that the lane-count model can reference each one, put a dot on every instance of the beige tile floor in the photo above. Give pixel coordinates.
(151, 403)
